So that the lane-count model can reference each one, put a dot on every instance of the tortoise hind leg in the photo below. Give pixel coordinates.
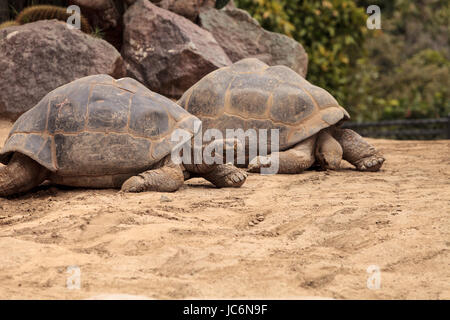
(225, 176)
(168, 178)
(20, 175)
(357, 151)
(294, 160)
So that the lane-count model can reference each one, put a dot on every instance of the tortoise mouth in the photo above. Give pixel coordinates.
(6, 158)
(340, 122)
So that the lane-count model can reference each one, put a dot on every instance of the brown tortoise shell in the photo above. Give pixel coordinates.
(98, 125)
(251, 95)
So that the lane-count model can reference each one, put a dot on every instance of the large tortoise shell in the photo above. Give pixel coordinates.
(98, 125)
(251, 95)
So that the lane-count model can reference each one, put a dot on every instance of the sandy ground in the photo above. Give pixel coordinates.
(284, 236)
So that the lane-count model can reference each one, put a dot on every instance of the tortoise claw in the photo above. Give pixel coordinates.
(237, 178)
(133, 184)
(372, 163)
(226, 176)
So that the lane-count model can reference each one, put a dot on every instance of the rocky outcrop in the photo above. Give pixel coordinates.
(189, 9)
(241, 36)
(38, 57)
(167, 52)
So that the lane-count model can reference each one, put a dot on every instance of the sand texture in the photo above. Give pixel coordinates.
(284, 236)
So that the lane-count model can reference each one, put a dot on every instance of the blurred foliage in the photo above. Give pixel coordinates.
(400, 71)
(406, 73)
(98, 33)
(221, 3)
(331, 32)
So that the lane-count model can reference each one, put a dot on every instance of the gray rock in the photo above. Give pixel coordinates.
(241, 37)
(167, 52)
(38, 57)
(189, 9)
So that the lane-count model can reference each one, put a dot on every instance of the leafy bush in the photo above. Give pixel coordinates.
(409, 63)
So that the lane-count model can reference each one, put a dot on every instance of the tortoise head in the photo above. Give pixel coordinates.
(328, 151)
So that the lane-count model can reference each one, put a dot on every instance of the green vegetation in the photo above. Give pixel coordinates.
(26, 11)
(48, 12)
(400, 71)
(9, 23)
(98, 33)
(221, 3)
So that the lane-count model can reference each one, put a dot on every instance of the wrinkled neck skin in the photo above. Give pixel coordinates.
(190, 158)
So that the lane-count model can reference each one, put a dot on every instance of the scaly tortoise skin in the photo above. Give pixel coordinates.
(102, 133)
(251, 95)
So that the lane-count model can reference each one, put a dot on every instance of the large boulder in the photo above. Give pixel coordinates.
(166, 52)
(38, 57)
(241, 36)
(189, 9)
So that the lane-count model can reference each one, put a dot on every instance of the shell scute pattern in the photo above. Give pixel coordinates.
(298, 105)
(107, 114)
(250, 94)
(98, 126)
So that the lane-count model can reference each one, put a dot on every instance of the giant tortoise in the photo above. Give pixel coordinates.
(100, 132)
(251, 95)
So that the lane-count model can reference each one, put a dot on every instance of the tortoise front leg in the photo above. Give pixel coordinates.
(357, 151)
(225, 176)
(294, 160)
(221, 175)
(202, 168)
(168, 178)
